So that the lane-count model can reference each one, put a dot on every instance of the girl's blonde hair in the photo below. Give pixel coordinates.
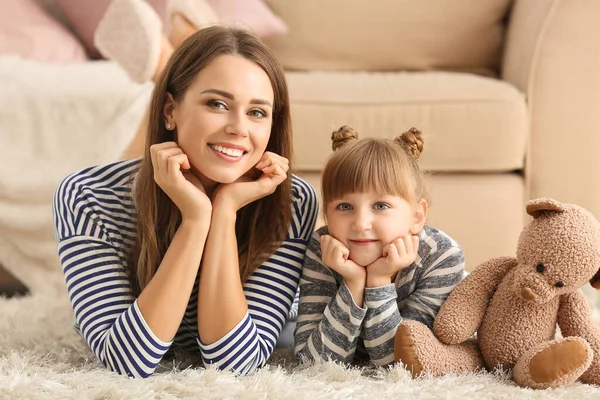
(380, 165)
(157, 216)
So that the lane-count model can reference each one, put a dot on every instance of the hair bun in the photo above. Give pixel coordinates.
(343, 135)
(412, 142)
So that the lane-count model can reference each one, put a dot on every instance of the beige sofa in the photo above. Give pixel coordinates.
(507, 93)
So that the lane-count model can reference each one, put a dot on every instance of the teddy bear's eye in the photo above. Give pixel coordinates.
(559, 284)
(540, 268)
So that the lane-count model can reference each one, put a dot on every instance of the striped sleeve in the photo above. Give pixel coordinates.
(106, 313)
(270, 293)
(438, 272)
(442, 271)
(329, 321)
(381, 321)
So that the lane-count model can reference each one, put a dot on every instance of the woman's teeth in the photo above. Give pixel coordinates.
(229, 152)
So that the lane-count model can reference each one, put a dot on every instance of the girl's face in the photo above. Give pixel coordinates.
(224, 120)
(366, 222)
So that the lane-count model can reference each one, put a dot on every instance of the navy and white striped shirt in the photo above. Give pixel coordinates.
(95, 228)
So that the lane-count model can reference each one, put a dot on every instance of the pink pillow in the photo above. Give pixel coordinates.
(28, 30)
(84, 16)
(252, 14)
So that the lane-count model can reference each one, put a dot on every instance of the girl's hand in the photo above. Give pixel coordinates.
(397, 255)
(172, 175)
(262, 180)
(335, 255)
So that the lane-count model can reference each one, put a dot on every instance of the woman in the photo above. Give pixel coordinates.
(200, 243)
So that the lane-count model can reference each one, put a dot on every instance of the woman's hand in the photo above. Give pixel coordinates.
(335, 255)
(397, 255)
(171, 173)
(262, 180)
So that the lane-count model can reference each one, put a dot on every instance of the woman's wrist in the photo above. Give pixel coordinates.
(196, 224)
(224, 210)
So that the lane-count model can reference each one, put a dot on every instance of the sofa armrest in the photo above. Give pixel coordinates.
(552, 54)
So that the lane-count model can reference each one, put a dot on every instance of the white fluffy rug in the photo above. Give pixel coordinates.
(41, 357)
(56, 119)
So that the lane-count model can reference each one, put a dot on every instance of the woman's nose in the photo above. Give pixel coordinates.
(237, 124)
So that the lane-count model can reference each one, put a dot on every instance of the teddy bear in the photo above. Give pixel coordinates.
(505, 313)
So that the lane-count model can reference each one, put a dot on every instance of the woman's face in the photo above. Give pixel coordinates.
(224, 120)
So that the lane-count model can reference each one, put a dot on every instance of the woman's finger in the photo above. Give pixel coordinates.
(160, 146)
(162, 157)
(265, 161)
(175, 163)
(269, 158)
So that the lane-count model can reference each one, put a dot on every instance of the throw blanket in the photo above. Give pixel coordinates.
(54, 120)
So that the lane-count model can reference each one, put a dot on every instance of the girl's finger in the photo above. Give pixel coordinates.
(415, 242)
(408, 244)
(385, 251)
(324, 244)
(338, 254)
(345, 252)
(400, 247)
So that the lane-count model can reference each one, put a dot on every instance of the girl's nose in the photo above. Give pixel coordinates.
(362, 221)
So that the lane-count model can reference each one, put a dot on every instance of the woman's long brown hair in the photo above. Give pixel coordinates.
(260, 226)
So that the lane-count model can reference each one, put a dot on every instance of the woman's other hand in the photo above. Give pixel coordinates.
(262, 180)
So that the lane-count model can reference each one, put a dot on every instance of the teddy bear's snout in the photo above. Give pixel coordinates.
(528, 294)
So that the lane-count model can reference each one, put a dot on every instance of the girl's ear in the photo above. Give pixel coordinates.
(419, 217)
(169, 111)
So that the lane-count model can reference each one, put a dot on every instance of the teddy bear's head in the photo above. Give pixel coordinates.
(558, 251)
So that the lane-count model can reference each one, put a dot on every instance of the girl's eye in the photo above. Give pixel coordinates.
(381, 206)
(344, 207)
(257, 113)
(217, 104)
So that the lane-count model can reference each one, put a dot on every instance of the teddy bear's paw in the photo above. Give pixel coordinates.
(420, 351)
(554, 363)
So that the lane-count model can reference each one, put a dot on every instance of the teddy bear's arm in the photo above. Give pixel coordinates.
(575, 319)
(462, 313)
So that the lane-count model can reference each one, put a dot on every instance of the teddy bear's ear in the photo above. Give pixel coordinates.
(536, 207)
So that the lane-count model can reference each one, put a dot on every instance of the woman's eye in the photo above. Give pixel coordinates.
(344, 207)
(381, 206)
(257, 113)
(217, 104)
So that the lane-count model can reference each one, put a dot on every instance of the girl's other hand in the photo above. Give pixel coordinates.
(172, 174)
(396, 256)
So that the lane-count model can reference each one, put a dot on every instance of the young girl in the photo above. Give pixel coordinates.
(171, 250)
(376, 263)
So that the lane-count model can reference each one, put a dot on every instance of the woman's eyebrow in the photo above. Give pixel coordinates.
(230, 96)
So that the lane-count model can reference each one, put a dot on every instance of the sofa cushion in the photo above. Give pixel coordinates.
(391, 35)
(471, 123)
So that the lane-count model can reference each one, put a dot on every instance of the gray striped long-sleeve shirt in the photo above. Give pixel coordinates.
(331, 326)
